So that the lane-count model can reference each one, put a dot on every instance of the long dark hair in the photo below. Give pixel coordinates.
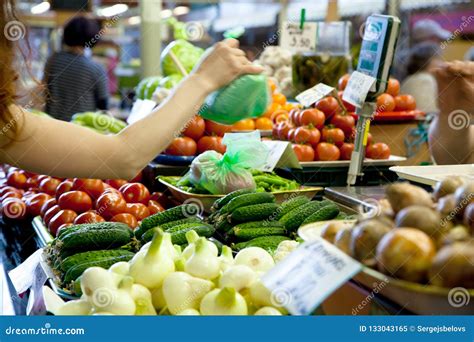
(420, 56)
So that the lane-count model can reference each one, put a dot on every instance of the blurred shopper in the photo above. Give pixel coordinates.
(423, 31)
(47, 146)
(420, 82)
(75, 83)
(469, 56)
(451, 137)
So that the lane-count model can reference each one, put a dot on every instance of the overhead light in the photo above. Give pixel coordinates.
(112, 10)
(181, 10)
(136, 20)
(166, 13)
(40, 8)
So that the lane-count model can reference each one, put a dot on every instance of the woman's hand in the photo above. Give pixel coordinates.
(223, 64)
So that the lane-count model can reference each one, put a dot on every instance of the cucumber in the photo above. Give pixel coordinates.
(223, 225)
(246, 234)
(227, 198)
(179, 237)
(247, 199)
(87, 239)
(218, 244)
(269, 243)
(92, 226)
(173, 214)
(171, 224)
(327, 212)
(255, 212)
(291, 204)
(76, 271)
(295, 217)
(260, 224)
(78, 258)
(148, 235)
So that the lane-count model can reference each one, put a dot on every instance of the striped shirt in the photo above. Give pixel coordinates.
(75, 84)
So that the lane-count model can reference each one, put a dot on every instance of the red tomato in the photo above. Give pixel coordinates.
(349, 107)
(138, 210)
(161, 198)
(62, 227)
(6, 189)
(128, 219)
(34, 203)
(293, 114)
(213, 143)
(342, 83)
(393, 87)
(315, 137)
(13, 208)
(65, 186)
(303, 152)
(138, 178)
(135, 193)
(16, 179)
(49, 185)
(283, 128)
(328, 106)
(302, 135)
(385, 103)
(62, 217)
(182, 146)
(116, 183)
(344, 122)
(93, 187)
(378, 151)
(154, 207)
(11, 194)
(49, 214)
(79, 201)
(327, 151)
(333, 135)
(214, 128)
(42, 177)
(32, 182)
(346, 151)
(313, 117)
(404, 102)
(110, 204)
(291, 134)
(112, 191)
(89, 217)
(195, 128)
(47, 205)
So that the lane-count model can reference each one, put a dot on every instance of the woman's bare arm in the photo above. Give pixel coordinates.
(62, 149)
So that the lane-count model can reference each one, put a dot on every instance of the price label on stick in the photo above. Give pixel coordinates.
(357, 88)
(295, 39)
(304, 279)
(314, 94)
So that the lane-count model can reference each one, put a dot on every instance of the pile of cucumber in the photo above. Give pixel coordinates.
(81, 246)
(246, 218)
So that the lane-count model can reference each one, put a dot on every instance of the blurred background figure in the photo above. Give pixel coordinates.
(469, 55)
(428, 30)
(74, 82)
(422, 59)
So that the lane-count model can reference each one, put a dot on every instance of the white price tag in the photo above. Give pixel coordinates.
(23, 276)
(357, 88)
(280, 155)
(314, 94)
(311, 273)
(140, 109)
(295, 39)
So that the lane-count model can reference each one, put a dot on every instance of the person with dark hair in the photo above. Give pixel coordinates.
(422, 60)
(74, 82)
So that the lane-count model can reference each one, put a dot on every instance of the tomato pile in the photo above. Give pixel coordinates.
(63, 202)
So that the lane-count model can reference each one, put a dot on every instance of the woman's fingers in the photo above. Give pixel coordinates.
(252, 69)
(231, 42)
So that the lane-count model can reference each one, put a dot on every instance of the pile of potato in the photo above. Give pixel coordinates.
(416, 236)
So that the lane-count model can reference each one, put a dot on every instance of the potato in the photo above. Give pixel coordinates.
(342, 240)
(364, 239)
(456, 234)
(469, 217)
(447, 186)
(402, 195)
(446, 205)
(330, 230)
(453, 266)
(406, 253)
(464, 195)
(423, 218)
